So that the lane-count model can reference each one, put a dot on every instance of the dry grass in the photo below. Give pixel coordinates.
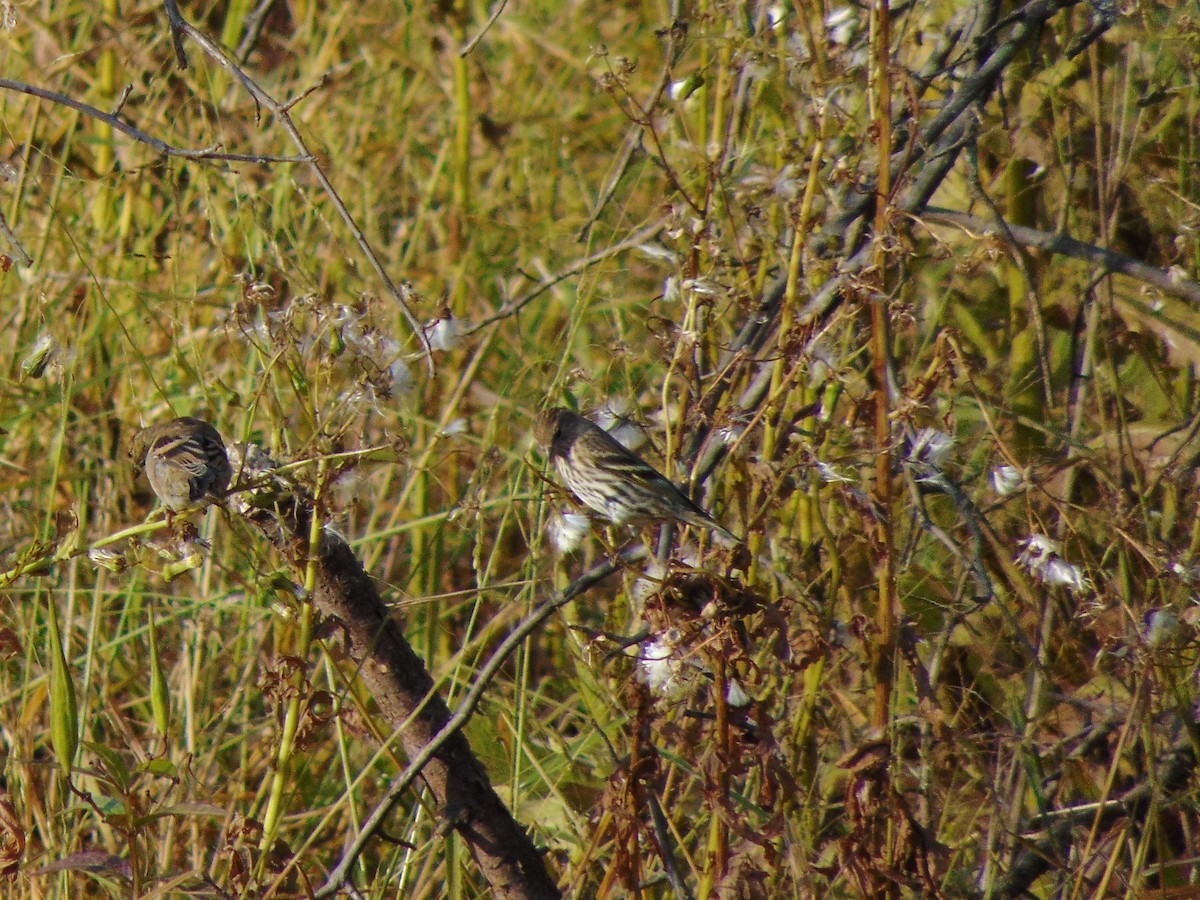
(1028, 719)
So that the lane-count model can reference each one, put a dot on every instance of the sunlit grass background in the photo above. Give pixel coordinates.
(233, 291)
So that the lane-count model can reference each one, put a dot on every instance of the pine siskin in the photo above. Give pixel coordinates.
(612, 480)
(185, 462)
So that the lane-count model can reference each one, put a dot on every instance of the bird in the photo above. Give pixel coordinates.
(184, 460)
(612, 480)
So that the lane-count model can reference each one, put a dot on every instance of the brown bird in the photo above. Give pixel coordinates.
(611, 480)
(184, 460)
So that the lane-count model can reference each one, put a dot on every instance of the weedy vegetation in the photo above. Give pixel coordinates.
(907, 298)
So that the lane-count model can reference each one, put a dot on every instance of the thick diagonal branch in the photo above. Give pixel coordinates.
(399, 683)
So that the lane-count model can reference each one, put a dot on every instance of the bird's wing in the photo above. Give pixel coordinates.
(186, 453)
(609, 453)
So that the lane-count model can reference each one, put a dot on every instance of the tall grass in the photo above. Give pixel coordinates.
(173, 716)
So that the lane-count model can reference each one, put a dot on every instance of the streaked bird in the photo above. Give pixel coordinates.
(611, 480)
(184, 460)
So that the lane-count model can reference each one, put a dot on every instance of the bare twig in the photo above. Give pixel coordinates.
(1104, 17)
(938, 481)
(632, 140)
(175, 21)
(514, 306)
(666, 848)
(939, 141)
(1033, 298)
(470, 45)
(633, 136)
(280, 112)
(1173, 775)
(254, 22)
(115, 121)
(25, 258)
(1165, 280)
(887, 614)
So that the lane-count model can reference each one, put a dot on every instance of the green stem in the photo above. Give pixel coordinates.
(291, 719)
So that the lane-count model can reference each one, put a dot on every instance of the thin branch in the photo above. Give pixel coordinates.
(1174, 774)
(115, 121)
(632, 140)
(6, 230)
(921, 479)
(254, 25)
(279, 111)
(666, 848)
(633, 136)
(1104, 17)
(1033, 298)
(470, 45)
(175, 21)
(1165, 280)
(512, 307)
(939, 141)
